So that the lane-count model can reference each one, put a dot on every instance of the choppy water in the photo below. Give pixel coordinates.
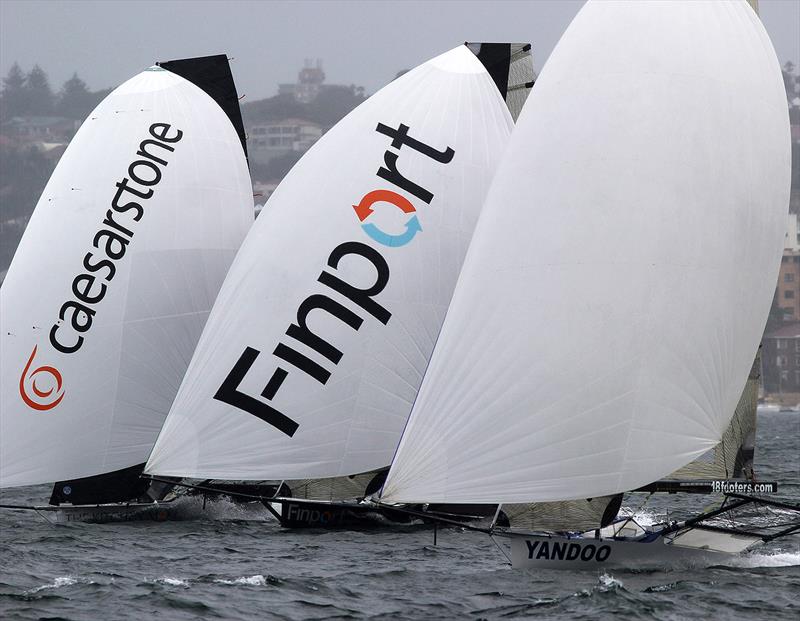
(224, 564)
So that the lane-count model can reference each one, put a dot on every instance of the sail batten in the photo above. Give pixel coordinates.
(591, 346)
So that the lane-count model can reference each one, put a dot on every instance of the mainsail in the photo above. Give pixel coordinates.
(317, 344)
(115, 275)
(591, 346)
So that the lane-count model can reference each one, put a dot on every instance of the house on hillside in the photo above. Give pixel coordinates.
(270, 140)
(787, 295)
(780, 360)
(308, 85)
(40, 129)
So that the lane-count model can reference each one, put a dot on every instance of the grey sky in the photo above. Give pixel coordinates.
(365, 43)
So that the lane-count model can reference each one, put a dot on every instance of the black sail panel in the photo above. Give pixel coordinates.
(213, 75)
(510, 66)
(496, 57)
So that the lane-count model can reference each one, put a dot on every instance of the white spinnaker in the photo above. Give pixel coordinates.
(118, 386)
(620, 276)
(353, 422)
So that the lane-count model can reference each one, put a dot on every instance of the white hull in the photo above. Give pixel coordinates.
(657, 551)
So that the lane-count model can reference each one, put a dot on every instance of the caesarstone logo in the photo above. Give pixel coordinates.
(109, 245)
(363, 298)
(45, 396)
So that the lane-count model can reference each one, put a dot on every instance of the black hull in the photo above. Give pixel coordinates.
(332, 515)
(309, 514)
(464, 511)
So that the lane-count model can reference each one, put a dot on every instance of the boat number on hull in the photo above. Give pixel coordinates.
(563, 551)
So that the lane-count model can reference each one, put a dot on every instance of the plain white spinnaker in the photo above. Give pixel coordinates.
(114, 278)
(620, 277)
(317, 344)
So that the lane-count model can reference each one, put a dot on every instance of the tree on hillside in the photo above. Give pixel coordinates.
(791, 81)
(97, 97)
(274, 108)
(41, 99)
(333, 103)
(23, 175)
(15, 97)
(75, 101)
(276, 169)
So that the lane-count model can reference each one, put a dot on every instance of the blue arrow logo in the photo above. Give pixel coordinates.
(393, 241)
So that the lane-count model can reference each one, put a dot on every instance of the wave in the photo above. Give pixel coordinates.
(222, 509)
(256, 580)
(644, 517)
(605, 583)
(60, 581)
(608, 582)
(170, 581)
(768, 559)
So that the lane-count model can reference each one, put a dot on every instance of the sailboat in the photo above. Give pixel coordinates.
(601, 331)
(317, 344)
(112, 283)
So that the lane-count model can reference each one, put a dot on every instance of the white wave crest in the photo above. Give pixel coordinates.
(644, 517)
(608, 582)
(768, 559)
(222, 508)
(171, 581)
(660, 588)
(605, 582)
(59, 582)
(257, 580)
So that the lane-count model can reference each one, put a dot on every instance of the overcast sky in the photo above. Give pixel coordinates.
(363, 43)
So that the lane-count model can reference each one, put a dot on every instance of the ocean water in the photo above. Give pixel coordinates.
(226, 562)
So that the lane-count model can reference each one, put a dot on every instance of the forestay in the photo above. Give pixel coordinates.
(620, 277)
(317, 344)
(114, 277)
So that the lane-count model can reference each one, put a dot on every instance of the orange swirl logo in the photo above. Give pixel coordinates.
(45, 399)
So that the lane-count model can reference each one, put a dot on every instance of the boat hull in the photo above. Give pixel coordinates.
(581, 553)
(301, 513)
(310, 514)
(102, 514)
